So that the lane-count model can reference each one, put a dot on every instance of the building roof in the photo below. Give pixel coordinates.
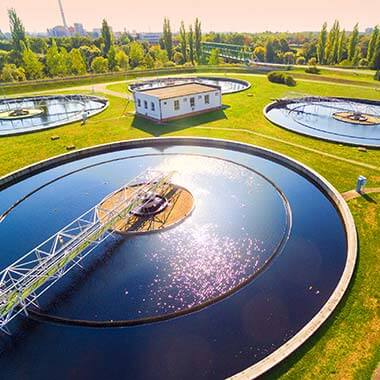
(179, 90)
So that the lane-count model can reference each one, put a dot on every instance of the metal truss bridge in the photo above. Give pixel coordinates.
(24, 281)
(237, 53)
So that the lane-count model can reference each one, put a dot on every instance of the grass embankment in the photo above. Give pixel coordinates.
(347, 345)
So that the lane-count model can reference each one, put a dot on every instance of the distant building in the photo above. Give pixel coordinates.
(96, 32)
(58, 31)
(178, 101)
(152, 38)
(79, 29)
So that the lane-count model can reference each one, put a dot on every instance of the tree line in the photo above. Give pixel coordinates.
(328, 47)
(25, 57)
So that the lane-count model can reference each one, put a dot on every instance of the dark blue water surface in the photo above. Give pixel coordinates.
(316, 119)
(253, 218)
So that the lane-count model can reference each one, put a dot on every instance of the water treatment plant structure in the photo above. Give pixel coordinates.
(237, 258)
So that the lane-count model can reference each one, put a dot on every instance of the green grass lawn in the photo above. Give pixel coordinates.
(347, 346)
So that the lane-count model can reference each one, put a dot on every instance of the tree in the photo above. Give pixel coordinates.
(332, 44)
(38, 45)
(136, 54)
(107, 37)
(112, 62)
(270, 54)
(259, 53)
(301, 60)
(31, 64)
(17, 31)
(77, 63)
(198, 40)
(372, 43)
(183, 41)
(89, 53)
(357, 56)
(353, 43)
(178, 58)
(214, 57)
(375, 61)
(54, 63)
(289, 58)
(341, 46)
(99, 65)
(148, 61)
(191, 44)
(321, 45)
(12, 73)
(167, 38)
(122, 60)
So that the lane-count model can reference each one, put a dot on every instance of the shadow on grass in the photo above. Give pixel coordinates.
(368, 198)
(283, 367)
(157, 130)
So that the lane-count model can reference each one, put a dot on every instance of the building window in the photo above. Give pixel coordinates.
(192, 102)
(185, 99)
(199, 96)
(138, 102)
(152, 106)
(207, 99)
(176, 105)
(216, 93)
(145, 104)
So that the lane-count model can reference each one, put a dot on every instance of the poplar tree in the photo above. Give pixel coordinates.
(198, 40)
(17, 31)
(321, 45)
(183, 40)
(341, 46)
(168, 38)
(375, 61)
(353, 42)
(332, 43)
(107, 37)
(372, 43)
(191, 44)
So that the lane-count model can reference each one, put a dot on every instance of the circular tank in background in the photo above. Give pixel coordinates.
(35, 113)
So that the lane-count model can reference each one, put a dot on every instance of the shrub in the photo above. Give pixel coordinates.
(377, 75)
(312, 70)
(346, 63)
(312, 61)
(301, 60)
(290, 81)
(282, 78)
(363, 62)
(169, 64)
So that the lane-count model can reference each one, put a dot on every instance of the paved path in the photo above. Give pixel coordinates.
(352, 194)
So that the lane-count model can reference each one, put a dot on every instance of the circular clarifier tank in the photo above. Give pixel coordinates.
(342, 120)
(34, 113)
(262, 248)
(228, 85)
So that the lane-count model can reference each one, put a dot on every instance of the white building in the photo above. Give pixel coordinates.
(174, 102)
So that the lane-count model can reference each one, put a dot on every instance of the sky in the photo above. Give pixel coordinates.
(216, 15)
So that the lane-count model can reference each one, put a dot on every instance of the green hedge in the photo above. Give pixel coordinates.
(282, 78)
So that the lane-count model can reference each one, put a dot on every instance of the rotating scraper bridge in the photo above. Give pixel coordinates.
(24, 281)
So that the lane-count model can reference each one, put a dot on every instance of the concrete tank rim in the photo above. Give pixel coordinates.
(333, 195)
